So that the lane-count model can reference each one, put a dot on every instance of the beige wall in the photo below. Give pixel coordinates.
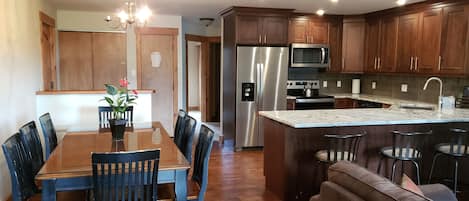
(20, 64)
(94, 22)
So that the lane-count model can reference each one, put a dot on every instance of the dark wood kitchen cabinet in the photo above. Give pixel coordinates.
(353, 45)
(387, 58)
(372, 45)
(252, 29)
(428, 46)
(309, 30)
(454, 48)
(275, 30)
(407, 42)
(335, 45)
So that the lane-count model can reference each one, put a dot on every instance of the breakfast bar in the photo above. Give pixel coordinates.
(293, 137)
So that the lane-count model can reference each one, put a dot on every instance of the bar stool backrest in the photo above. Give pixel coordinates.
(343, 147)
(408, 145)
(459, 142)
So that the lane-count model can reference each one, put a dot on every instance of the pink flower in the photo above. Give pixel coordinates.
(123, 82)
(135, 92)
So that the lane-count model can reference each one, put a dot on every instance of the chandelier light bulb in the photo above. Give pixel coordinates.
(143, 14)
(123, 16)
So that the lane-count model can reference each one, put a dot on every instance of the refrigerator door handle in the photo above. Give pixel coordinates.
(258, 79)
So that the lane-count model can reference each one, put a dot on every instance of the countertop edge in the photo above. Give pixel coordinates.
(63, 92)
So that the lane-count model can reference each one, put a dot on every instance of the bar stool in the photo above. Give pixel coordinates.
(456, 149)
(340, 148)
(406, 146)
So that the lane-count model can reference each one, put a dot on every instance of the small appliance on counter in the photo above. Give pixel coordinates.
(355, 86)
(307, 97)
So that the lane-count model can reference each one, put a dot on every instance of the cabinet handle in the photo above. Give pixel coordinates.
(260, 39)
(416, 63)
(439, 63)
(265, 38)
(379, 63)
(411, 62)
(343, 63)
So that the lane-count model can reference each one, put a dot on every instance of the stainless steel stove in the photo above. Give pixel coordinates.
(308, 101)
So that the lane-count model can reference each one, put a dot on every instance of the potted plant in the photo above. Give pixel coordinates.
(119, 99)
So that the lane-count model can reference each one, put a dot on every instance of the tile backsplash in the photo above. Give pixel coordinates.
(386, 85)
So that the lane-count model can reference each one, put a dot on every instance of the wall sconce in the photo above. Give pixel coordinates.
(155, 59)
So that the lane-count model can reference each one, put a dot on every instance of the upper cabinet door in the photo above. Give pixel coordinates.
(428, 48)
(407, 42)
(109, 59)
(454, 40)
(335, 46)
(318, 32)
(76, 53)
(274, 31)
(249, 30)
(388, 45)
(372, 45)
(298, 29)
(353, 44)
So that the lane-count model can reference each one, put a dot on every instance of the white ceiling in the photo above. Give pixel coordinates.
(211, 8)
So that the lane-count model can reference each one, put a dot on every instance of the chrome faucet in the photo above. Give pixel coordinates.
(441, 88)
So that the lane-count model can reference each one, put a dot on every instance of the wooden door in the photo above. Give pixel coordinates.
(318, 32)
(49, 70)
(388, 45)
(428, 48)
(407, 42)
(163, 79)
(109, 59)
(248, 30)
(274, 30)
(372, 45)
(75, 50)
(298, 30)
(454, 40)
(353, 45)
(335, 46)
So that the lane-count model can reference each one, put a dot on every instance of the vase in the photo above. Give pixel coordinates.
(117, 128)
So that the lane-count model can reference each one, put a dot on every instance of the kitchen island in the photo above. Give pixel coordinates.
(291, 138)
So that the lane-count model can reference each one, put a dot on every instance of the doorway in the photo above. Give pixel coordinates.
(203, 78)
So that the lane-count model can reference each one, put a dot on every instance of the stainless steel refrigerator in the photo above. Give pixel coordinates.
(260, 86)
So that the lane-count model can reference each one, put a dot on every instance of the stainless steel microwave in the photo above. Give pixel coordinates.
(309, 55)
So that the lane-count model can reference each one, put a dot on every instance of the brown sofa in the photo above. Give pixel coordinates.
(350, 182)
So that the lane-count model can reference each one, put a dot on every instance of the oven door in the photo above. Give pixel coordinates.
(308, 55)
(314, 104)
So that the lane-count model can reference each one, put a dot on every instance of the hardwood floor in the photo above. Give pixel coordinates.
(236, 176)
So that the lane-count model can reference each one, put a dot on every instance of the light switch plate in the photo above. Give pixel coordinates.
(404, 87)
(324, 84)
(339, 84)
(373, 85)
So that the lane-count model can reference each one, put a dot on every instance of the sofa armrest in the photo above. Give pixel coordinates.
(438, 192)
(333, 192)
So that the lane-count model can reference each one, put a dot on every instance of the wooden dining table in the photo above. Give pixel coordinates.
(69, 165)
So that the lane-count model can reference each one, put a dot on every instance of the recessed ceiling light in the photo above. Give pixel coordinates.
(320, 12)
(401, 2)
(335, 1)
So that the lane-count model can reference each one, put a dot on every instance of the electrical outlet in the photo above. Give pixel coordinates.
(339, 84)
(404, 88)
(324, 84)
(373, 85)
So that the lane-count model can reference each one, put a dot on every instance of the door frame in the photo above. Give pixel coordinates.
(204, 75)
(159, 31)
(51, 82)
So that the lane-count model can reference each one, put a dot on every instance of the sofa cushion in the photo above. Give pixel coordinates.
(367, 185)
(408, 184)
(438, 192)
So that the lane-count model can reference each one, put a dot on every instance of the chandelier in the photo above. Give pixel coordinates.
(129, 15)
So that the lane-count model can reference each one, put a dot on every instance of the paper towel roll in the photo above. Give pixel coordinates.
(355, 86)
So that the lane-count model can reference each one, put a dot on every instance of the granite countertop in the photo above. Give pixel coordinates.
(364, 117)
(382, 99)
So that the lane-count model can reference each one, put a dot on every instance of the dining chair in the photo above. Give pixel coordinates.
(32, 143)
(178, 129)
(127, 176)
(186, 139)
(18, 161)
(197, 185)
(105, 113)
(49, 133)
(406, 146)
(456, 149)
